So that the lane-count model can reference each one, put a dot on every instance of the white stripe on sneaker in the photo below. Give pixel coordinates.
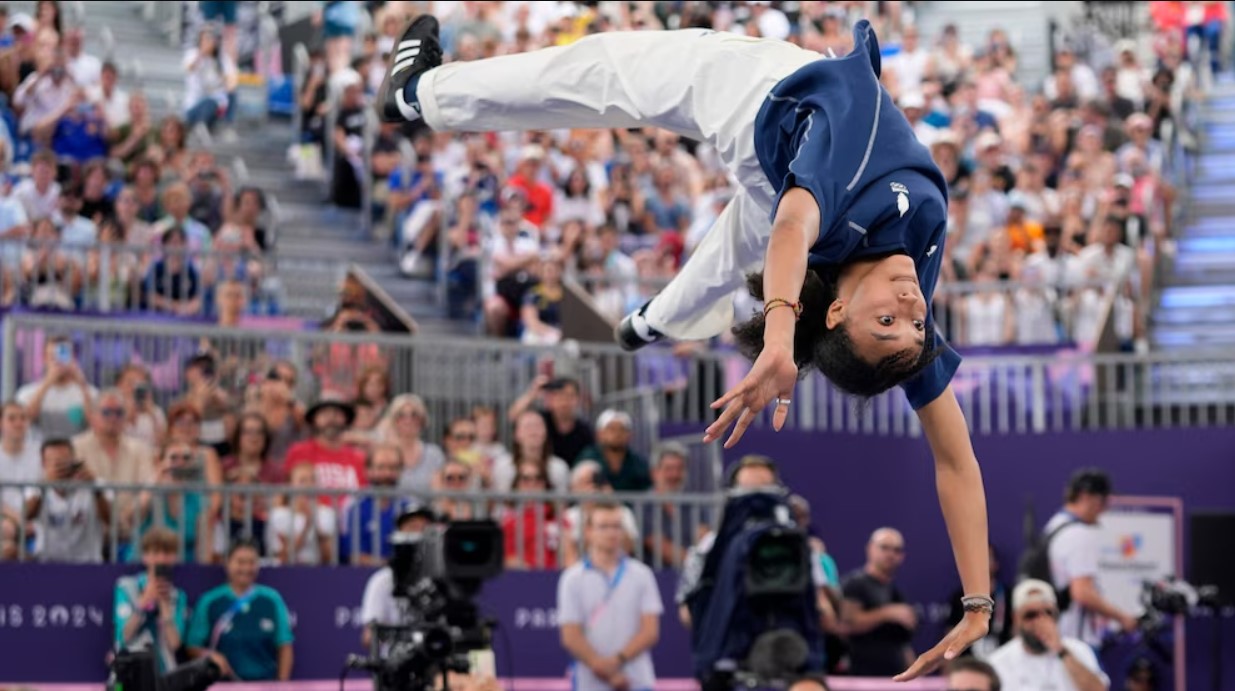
(407, 54)
(411, 43)
(399, 67)
(409, 111)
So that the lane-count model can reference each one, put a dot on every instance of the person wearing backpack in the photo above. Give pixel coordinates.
(1071, 542)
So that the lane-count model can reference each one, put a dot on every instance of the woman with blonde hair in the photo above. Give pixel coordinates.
(403, 426)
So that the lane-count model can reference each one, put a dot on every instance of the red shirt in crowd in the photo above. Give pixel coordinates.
(341, 468)
(536, 552)
(539, 199)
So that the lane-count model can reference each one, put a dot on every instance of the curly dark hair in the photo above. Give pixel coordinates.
(831, 351)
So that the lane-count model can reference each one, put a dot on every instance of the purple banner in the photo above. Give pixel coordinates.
(69, 609)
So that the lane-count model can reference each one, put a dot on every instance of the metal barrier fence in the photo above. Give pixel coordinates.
(115, 277)
(1059, 390)
(545, 527)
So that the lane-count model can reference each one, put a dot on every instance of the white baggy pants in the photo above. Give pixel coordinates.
(703, 85)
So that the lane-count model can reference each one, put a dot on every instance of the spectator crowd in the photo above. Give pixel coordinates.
(103, 206)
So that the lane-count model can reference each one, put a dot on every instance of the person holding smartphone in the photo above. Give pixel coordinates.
(69, 523)
(151, 612)
(61, 403)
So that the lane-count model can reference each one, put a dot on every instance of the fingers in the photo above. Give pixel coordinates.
(748, 416)
(734, 393)
(781, 414)
(926, 663)
(722, 423)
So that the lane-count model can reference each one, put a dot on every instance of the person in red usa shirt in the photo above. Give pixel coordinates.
(838, 223)
(336, 465)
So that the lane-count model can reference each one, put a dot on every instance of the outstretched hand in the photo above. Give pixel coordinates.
(772, 376)
(975, 625)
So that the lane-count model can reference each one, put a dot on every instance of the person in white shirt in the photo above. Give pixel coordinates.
(911, 64)
(86, 70)
(513, 250)
(303, 531)
(1040, 658)
(39, 194)
(379, 607)
(19, 457)
(70, 524)
(1074, 553)
(210, 77)
(43, 98)
(609, 608)
(109, 96)
(61, 403)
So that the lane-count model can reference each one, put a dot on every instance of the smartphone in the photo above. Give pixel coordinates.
(75, 467)
(546, 368)
(141, 393)
(187, 473)
(64, 353)
(163, 572)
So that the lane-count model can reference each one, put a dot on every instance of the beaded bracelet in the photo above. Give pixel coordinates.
(781, 302)
(978, 603)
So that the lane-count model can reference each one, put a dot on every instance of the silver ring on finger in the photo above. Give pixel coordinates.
(783, 402)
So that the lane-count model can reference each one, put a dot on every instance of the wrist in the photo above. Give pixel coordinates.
(622, 657)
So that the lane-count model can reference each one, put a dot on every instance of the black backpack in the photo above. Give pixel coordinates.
(1036, 563)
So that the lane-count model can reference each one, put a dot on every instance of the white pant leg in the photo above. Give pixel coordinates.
(703, 85)
(698, 302)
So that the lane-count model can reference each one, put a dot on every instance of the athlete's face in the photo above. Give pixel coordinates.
(882, 308)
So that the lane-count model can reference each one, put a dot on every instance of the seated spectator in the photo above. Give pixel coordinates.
(184, 424)
(60, 404)
(414, 204)
(144, 181)
(530, 526)
(69, 524)
(95, 203)
(185, 512)
(459, 442)
(80, 133)
(277, 404)
(113, 275)
(588, 478)
(76, 231)
(373, 392)
(337, 466)
(302, 531)
(177, 201)
(173, 284)
(111, 98)
(246, 514)
(146, 419)
(367, 523)
(170, 150)
(403, 426)
(985, 315)
(10, 529)
(1040, 657)
(626, 470)
(210, 189)
(39, 194)
(541, 315)
(530, 443)
(379, 607)
(668, 535)
(537, 195)
(44, 97)
(456, 477)
(86, 70)
(19, 459)
(972, 674)
(558, 399)
(667, 208)
(131, 141)
(247, 210)
(51, 277)
(487, 442)
(250, 449)
(203, 391)
(210, 78)
(151, 613)
(245, 623)
(114, 457)
(516, 247)
(575, 200)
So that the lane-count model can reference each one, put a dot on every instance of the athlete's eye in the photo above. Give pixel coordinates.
(886, 320)
(919, 324)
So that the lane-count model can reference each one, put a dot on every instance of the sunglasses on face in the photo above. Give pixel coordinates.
(180, 457)
(455, 478)
(1035, 613)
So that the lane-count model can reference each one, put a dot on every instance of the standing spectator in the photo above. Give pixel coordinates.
(879, 621)
(151, 613)
(531, 528)
(672, 532)
(70, 523)
(245, 623)
(972, 674)
(530, 444)
(115, 457)
(1075, 543)
(19, 458)
(626, 470)
(368, 522)
(609, 610)
(210, 78)
(302, 531)
(1040, 658)
(39, 194)
(403, 426)
(569, 432)
(538, 195)
(336, 465)
(61, 403)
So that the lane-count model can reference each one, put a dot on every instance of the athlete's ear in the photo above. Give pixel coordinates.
(836, 314)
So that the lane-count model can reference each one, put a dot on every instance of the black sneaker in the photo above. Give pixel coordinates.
(416, 52)
(634, 331)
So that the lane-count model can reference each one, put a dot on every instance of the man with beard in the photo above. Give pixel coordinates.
(369, 521)
(336, 465)
(625, 470)
(1039, 657)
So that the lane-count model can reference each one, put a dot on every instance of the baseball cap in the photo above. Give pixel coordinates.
(22, 21)
(610, 416)
(912, 99)
(1033, 591)
(987, 140)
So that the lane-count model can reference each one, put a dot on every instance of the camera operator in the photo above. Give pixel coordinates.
(609, 610)
(1039, 658)
(379, 606)
(1074, 546)
(151, 612)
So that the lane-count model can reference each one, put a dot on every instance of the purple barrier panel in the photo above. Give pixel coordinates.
(69, 609)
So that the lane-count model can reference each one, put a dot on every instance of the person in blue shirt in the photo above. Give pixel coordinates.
(838, 222)
(368, 522)
(151, 612)
(244, 626)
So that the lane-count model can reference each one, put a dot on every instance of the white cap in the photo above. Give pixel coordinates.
(610, 416)
(987, 140)
(1033, 591)
(534, 152)
(912, 99)
(23, 20)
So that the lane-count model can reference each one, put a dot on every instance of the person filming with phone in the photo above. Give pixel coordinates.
(182, 511)
(69, 523)
(151, 612)
(61, 403)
